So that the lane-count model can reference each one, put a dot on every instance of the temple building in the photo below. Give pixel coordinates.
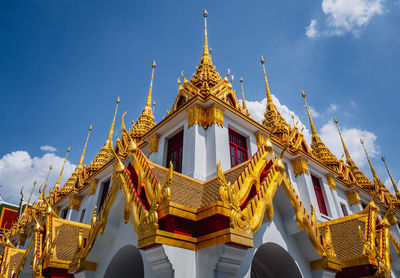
(209, 192)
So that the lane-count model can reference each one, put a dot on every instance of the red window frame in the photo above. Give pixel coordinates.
(319, 194)
(175, 151)
(237, 147)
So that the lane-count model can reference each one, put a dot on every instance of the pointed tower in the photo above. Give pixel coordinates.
(57, 185)
(77, 174)
(205, 76)
(319, 150)
(145, 122)
(272, 116)
(391, 179)
(358, 175)
(245, 111)
(105, 154)
(377, 181)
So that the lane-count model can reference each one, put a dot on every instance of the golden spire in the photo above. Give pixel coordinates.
(30, 196)
(148, 103)
(391, 178)
(243, 100)
(270, 104)
(376, 179)
(57, 185)
(80, 165)
(109, 143)
(346, 152)
(313, 130)
(206, 55)
(42, 194)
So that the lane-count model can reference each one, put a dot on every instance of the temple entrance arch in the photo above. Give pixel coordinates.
(127, 262)
(271, 260)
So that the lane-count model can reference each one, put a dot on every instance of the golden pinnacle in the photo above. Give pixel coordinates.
(262, 60)
(118, 99)
(335, 120)
(383, 158)
(303, 93)
(362, 141)
(154, 64)
(241, 80)
(90, 127)
(68, 149)
(51, 167)
(205, 13)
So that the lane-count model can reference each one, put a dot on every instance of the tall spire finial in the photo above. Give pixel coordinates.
(80, 165)
(269, 97)
(148, 103)
(369, 161)
(45, 183)
(391, 178)
(313, 130)
(57, 185)
(243, 100)
(206, 54)
(108, 143)
(346, 152)
(30, 196)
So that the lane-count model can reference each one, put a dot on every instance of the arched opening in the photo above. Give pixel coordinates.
(271, 260)
(230, 100)
(126, 262)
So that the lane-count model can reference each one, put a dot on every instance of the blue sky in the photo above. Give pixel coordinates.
(63, 63)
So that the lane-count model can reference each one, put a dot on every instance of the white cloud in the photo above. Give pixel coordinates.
(342, 16)
(47, 148)
(351, 136)
(389, 185)
(332, 108)
(20, 169)
(311, 30)
(314, 113)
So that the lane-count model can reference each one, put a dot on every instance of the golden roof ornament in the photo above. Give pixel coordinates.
(391, 178)
(105, 153)
(146, 119)
(377, 181)
(57, 185)
(359, 176)
(272, 116)
(319, 150)
(243, 99)
(205, 76)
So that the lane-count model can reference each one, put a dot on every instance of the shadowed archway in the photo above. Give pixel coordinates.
(271, 260)
(127, 262)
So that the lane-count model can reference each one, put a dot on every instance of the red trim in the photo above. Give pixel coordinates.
(320, 195)
(238, 148)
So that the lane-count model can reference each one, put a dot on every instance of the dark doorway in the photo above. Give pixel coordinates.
(127, 262)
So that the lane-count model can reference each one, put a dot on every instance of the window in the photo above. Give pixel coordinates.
(344, 209)
(82, 215)
(104, 192)
(238, 148)
(64, 213)
(319, 194)
(175, 150)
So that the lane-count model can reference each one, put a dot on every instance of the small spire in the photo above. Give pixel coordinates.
(269, 97)
(243, 100)
(313, 130)
(206, 55)
(109, 143)
(346, 152)
(30, 196)
(148, 103)
(80, 165)
(42, 193)
(369, 161)
(391, 178)
(21, 200)
(57, 185)
(154, 106)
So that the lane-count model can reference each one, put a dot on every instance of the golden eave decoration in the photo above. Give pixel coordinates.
(153, 143)
(75, 202)
(353, 197)
(300, 166)
(205, 117)
(331, 181)
(261, 139)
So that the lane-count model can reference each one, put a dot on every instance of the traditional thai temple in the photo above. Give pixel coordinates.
(209, 192)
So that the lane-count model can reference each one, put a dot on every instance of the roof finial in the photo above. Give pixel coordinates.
(243, 100)
(391, 178)
(206, 54)
(369, 161)
(109, 143)
(269, 97)
(30, 196)
(57, 185)
(148, 103)
(80, 165)
(313, 130)
(42, 194)
(346, 152)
